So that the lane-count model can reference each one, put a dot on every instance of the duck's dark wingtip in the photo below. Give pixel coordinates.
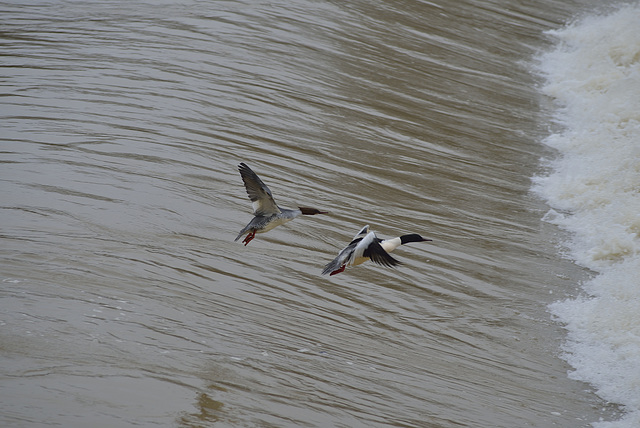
(378, 255)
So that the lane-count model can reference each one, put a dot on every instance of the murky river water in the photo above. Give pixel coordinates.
(125, 300)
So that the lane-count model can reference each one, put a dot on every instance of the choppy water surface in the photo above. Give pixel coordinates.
(593, 74)
(125, 300)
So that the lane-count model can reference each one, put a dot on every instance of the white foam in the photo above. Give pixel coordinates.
(593, 75)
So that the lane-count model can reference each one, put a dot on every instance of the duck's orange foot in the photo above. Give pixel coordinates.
(337, 271)
(249, 237)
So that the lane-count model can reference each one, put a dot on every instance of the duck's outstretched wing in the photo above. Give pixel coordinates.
(363, 232)
(342, 259)
(364, 244)
(370, 247)
(259, 193)
(346, 254)
(378, 255)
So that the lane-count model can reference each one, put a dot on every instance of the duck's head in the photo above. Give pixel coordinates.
(311, 211)
(412, 237)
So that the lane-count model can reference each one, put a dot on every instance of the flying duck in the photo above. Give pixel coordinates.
(367, 246)
(267, 214)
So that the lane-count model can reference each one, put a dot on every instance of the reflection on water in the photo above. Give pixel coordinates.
(125, 299)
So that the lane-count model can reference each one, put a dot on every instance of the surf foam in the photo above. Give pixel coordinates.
(593, 76)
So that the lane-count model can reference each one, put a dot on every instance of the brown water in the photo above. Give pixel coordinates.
(124, 299)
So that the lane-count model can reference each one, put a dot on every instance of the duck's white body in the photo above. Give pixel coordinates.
(267, 214)
(367, 246)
